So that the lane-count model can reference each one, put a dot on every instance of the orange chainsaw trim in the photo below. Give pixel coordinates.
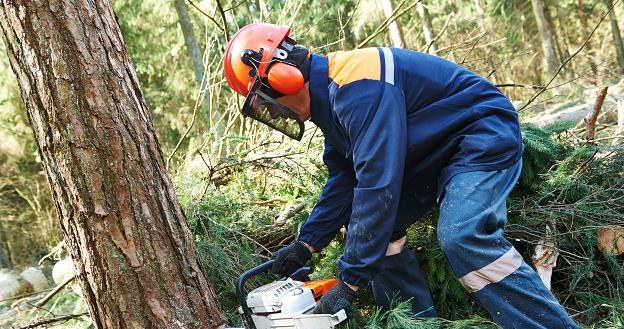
(320, 287)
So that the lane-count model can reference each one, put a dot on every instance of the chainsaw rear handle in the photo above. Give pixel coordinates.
(241, 293)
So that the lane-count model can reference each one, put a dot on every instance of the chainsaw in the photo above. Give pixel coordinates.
(285, 304)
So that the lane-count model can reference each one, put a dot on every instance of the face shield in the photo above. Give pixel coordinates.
(264, 108)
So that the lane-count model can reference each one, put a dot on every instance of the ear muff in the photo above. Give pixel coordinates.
(285, 78)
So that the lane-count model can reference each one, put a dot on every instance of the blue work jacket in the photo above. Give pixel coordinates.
(398, 124)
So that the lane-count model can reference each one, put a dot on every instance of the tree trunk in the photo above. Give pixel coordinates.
(550, 58)
(586, 32)
(427, 27)
(122, 222)
(396, 31)
(617, 38)
(480, 15)
(4, 259)
(559, 34)
(198, 63)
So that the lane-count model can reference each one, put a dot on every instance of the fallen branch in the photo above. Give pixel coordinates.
(270, 202)
(51, 294)
(53, 320)
(24, 295)
(287, 213)
(592, 117)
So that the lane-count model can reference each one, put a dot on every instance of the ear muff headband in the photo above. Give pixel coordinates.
(286, 74)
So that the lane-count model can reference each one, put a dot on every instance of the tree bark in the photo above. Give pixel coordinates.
(396, 31)
(548, 48)
(4, 259)
(427, 27)
(122, 222)
(617, 38)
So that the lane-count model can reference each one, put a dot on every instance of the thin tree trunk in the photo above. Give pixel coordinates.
(4, 259)
(548, 48)
(396, 31)
(552, 32)
(135, 258)
(196, 57)
(480, 15)
(489, 57)
(586, 31)
(559, 35)
(617, 38)
(427, 27)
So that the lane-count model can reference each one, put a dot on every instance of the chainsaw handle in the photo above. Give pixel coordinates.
(241, 292)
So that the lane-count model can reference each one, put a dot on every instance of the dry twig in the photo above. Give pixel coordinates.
(51, 294)
(590, 119)
(53, 320)
(288, 212)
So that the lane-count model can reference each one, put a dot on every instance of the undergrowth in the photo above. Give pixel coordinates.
(572, 188)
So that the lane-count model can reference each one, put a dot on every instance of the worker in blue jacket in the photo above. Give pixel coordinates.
(404, 131)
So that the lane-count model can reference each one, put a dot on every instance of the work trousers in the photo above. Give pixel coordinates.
(473, 214)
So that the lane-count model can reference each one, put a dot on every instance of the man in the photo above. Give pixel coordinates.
(404, 131)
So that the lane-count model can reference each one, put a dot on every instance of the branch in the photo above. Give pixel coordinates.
(51, 294)
(287, 213)
(188, 129)
(24, 295)
(518, 85)
(235, 6)
(225, 26)
(592, 117)
(545, 87)
(52, 320)
(386, 23)
(209, 17)
(448, 19)
(54, 251)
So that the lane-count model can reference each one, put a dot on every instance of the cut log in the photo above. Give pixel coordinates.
(611, 239)
(545, 257)
(545, 260)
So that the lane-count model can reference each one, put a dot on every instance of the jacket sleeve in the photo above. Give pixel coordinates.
(373, 115)
(334, 206)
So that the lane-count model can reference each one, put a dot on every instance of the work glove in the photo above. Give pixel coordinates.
(338, 298)
(290, 258)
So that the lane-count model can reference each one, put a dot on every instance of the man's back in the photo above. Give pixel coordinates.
(456, 120)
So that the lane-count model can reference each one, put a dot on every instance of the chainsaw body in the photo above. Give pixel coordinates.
(285, 304)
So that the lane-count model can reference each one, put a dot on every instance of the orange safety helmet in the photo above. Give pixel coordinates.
(265, 39)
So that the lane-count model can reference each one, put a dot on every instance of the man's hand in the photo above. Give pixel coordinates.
(290, 258)
(338, 298)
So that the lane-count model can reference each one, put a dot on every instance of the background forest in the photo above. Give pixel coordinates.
(246, 189)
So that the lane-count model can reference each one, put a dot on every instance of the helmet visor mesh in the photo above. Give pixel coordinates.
(261, 107)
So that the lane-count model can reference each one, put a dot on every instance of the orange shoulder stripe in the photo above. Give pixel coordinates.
(359, 64)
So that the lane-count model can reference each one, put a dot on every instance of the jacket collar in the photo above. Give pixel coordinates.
(319, 92)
